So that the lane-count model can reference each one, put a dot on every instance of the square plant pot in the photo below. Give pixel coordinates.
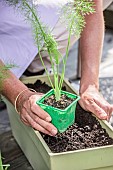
(42, 158)
(62, 119)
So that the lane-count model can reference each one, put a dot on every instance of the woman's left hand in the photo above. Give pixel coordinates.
(91, 100)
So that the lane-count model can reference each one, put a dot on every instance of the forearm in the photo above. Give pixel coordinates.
(91, 44)
(11, 86)
(30, 113)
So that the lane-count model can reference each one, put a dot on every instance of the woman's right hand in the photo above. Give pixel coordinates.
(33, 115)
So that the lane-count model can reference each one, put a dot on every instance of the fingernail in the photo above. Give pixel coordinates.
(54, 132)
(48, 119)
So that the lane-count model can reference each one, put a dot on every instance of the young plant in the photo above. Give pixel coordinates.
(73, 14)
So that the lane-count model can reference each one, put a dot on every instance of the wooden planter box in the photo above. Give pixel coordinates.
(41, 157)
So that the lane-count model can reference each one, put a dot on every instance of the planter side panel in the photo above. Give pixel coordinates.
(90, 159)
(27, 144)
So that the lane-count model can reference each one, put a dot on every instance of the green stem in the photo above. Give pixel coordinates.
(65, 60)
(56, 88)
(45, 68)
(36, 19)
(44, 36)
(52, 63)
(55, 74)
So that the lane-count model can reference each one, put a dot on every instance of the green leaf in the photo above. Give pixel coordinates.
(4, 74)
(76, 11)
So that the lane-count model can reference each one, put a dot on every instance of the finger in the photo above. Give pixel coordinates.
(25, 121)
(110, 113)
(36, 126)
(99, 112)
(38, 110)
(105, 106)
(46, 125)
(26, 112)
(29, 107)
(22, 117)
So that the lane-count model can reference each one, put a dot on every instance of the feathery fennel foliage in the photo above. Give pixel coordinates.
(3, 73)
(73, 14)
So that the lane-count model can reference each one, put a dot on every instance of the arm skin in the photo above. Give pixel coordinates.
(30, 113)
(91, 43)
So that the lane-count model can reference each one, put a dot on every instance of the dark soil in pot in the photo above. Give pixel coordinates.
(86, 132)
(63, 103)
(43, 88)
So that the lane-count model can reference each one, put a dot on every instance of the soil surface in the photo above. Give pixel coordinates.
(86, 132)
(62, 104)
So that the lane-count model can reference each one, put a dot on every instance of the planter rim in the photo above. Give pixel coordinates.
(80, 150)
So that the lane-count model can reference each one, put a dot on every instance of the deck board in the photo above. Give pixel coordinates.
(12, 153)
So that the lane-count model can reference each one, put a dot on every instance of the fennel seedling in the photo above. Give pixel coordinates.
(73, 14)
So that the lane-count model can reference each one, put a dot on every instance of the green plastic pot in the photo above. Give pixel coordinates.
(61, 119)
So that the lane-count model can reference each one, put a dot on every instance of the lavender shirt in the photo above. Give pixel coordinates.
(16, 40)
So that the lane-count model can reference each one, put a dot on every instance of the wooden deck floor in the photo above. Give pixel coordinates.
(12, 153)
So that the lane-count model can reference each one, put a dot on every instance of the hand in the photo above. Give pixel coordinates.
(32, 115)
(91, 100)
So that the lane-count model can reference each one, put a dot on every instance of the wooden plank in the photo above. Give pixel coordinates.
(12, 153)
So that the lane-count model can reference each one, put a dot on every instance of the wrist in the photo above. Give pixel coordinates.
(84, 85)
(22, 97)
